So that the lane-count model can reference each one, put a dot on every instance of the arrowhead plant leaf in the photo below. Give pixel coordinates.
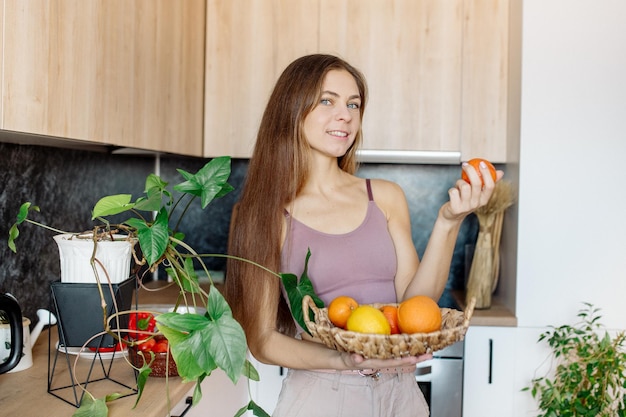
(297, 289)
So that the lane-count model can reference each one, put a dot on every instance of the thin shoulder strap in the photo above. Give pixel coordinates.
(369, 189)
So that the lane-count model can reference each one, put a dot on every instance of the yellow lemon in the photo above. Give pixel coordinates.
(367, 319)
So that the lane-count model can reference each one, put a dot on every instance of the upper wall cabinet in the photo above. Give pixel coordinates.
(411, 54)
(248, 45)
(490, 98)
(118, 72)
(437, 71)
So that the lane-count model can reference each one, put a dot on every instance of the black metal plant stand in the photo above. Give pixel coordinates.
(79, 317)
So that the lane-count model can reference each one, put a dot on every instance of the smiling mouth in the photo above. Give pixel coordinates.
(338, 133)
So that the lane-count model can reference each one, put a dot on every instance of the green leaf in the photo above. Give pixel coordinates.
(90, 407)
(197, 392)
(152, 239)
(142, 378)
(209, 182)
(13, 234)
(150, 203)
(154, 185)
(254, 407)
(250, 372)
(113, 397)
(154, 190)
(199, 343)
(113, 204)
(296, 290)
(21, 216)
(257, 410)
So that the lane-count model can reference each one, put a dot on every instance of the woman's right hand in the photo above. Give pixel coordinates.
(357, 361)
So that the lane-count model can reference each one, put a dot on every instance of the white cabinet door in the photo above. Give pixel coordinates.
(488, 372)
(220, 397)
(265, 392)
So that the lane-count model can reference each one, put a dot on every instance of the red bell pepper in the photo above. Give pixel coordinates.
(143, 321)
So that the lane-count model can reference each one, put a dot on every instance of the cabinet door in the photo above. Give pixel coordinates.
(265, 392)
(125, 73)
(486, 83)
(410, 52)
(437, 71)
(248, 44)
(488, 373)
(220, 398)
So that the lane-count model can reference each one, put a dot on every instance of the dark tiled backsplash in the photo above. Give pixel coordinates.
(67, 183)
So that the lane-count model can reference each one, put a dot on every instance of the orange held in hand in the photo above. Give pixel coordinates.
(419, 314)
(340, 309)
(475, 162)
(391, 314)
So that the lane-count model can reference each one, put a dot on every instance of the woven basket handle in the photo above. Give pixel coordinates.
(469, 311)
(308, 303)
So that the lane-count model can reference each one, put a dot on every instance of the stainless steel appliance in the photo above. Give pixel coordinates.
(441, 381)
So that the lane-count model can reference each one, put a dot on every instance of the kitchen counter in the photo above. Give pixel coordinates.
(24, 393)
(497, 315)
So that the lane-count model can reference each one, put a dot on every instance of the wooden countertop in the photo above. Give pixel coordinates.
(496, 315)
(25, 393)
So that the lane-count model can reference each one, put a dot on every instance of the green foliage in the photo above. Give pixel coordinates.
(199, 343)
(91, 407)
(590, 375)
(297, 289)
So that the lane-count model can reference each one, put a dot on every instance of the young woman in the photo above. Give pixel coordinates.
(301, 193)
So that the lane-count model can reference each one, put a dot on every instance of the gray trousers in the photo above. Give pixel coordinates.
(321, 394)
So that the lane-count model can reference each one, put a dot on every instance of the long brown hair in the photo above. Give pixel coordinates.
(276, 173)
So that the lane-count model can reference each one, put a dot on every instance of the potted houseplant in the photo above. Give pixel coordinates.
(199, 343)
(589, 377)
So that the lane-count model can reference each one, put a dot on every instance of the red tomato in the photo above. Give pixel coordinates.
(147, 345)
(161, 347)
(475, 162)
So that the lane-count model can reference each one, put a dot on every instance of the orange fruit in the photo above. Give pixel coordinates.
(340, 309)
(368, 319)
(475, 162)
(391, 314)
(419, 314)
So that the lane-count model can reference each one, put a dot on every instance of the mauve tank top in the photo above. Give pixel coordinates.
(361, 263)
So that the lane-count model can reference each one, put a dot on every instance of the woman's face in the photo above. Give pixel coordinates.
(332, 126)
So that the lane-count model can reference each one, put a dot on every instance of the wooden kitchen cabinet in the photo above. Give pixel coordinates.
(411, 54)
(248, 44)
(116, 72)
(437, 71)
(490, 97)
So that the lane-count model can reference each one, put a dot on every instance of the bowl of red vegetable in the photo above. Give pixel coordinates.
(148, 349)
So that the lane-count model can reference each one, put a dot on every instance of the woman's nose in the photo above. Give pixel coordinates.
(343, 113)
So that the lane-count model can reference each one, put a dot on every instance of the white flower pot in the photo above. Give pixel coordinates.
(75, 255)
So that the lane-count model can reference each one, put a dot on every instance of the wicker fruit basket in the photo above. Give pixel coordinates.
(454, 325)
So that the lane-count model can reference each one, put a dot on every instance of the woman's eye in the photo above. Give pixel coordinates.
(355, 106)
(325, 102)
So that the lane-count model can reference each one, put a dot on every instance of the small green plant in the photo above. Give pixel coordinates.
(590, 374)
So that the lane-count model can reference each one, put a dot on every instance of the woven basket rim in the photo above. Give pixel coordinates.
(387, 346)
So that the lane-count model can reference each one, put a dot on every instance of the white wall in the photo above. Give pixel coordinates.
(572, 201)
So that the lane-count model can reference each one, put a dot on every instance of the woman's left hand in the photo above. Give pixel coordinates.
(464, 197)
